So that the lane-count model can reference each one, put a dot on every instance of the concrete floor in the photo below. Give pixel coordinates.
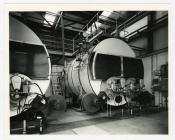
(80, 123)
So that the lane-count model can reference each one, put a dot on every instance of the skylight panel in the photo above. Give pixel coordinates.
(50, 17)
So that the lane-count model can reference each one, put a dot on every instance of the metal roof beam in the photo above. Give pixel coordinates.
(73, 20)
(59, 18)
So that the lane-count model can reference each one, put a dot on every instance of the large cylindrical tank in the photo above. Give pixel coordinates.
(89, 74)
(29, 59)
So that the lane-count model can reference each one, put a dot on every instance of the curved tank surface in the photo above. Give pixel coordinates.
(30, 67)
(87, 77)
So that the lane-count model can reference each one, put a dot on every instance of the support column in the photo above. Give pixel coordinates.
(63, 47)
(150, 35)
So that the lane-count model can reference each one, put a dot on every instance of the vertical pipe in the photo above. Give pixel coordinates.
(150, 40)
(116, 27)
(62, 33)
(110, 112)
(152, 67)
(122, 72)
(117, 32)
(65, 62)
(73, 45)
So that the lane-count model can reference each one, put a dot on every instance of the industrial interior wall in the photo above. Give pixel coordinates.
(141, 42)
(153, 62)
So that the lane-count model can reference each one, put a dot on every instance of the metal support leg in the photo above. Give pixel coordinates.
(107, 111)
(110, 112)
(40, 119)
(41, 125)
(122, 111)
(24, 127)
(131, 111)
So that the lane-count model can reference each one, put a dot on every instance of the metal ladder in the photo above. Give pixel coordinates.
(56, 83)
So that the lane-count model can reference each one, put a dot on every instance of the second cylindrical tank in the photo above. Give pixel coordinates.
(111, 57)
